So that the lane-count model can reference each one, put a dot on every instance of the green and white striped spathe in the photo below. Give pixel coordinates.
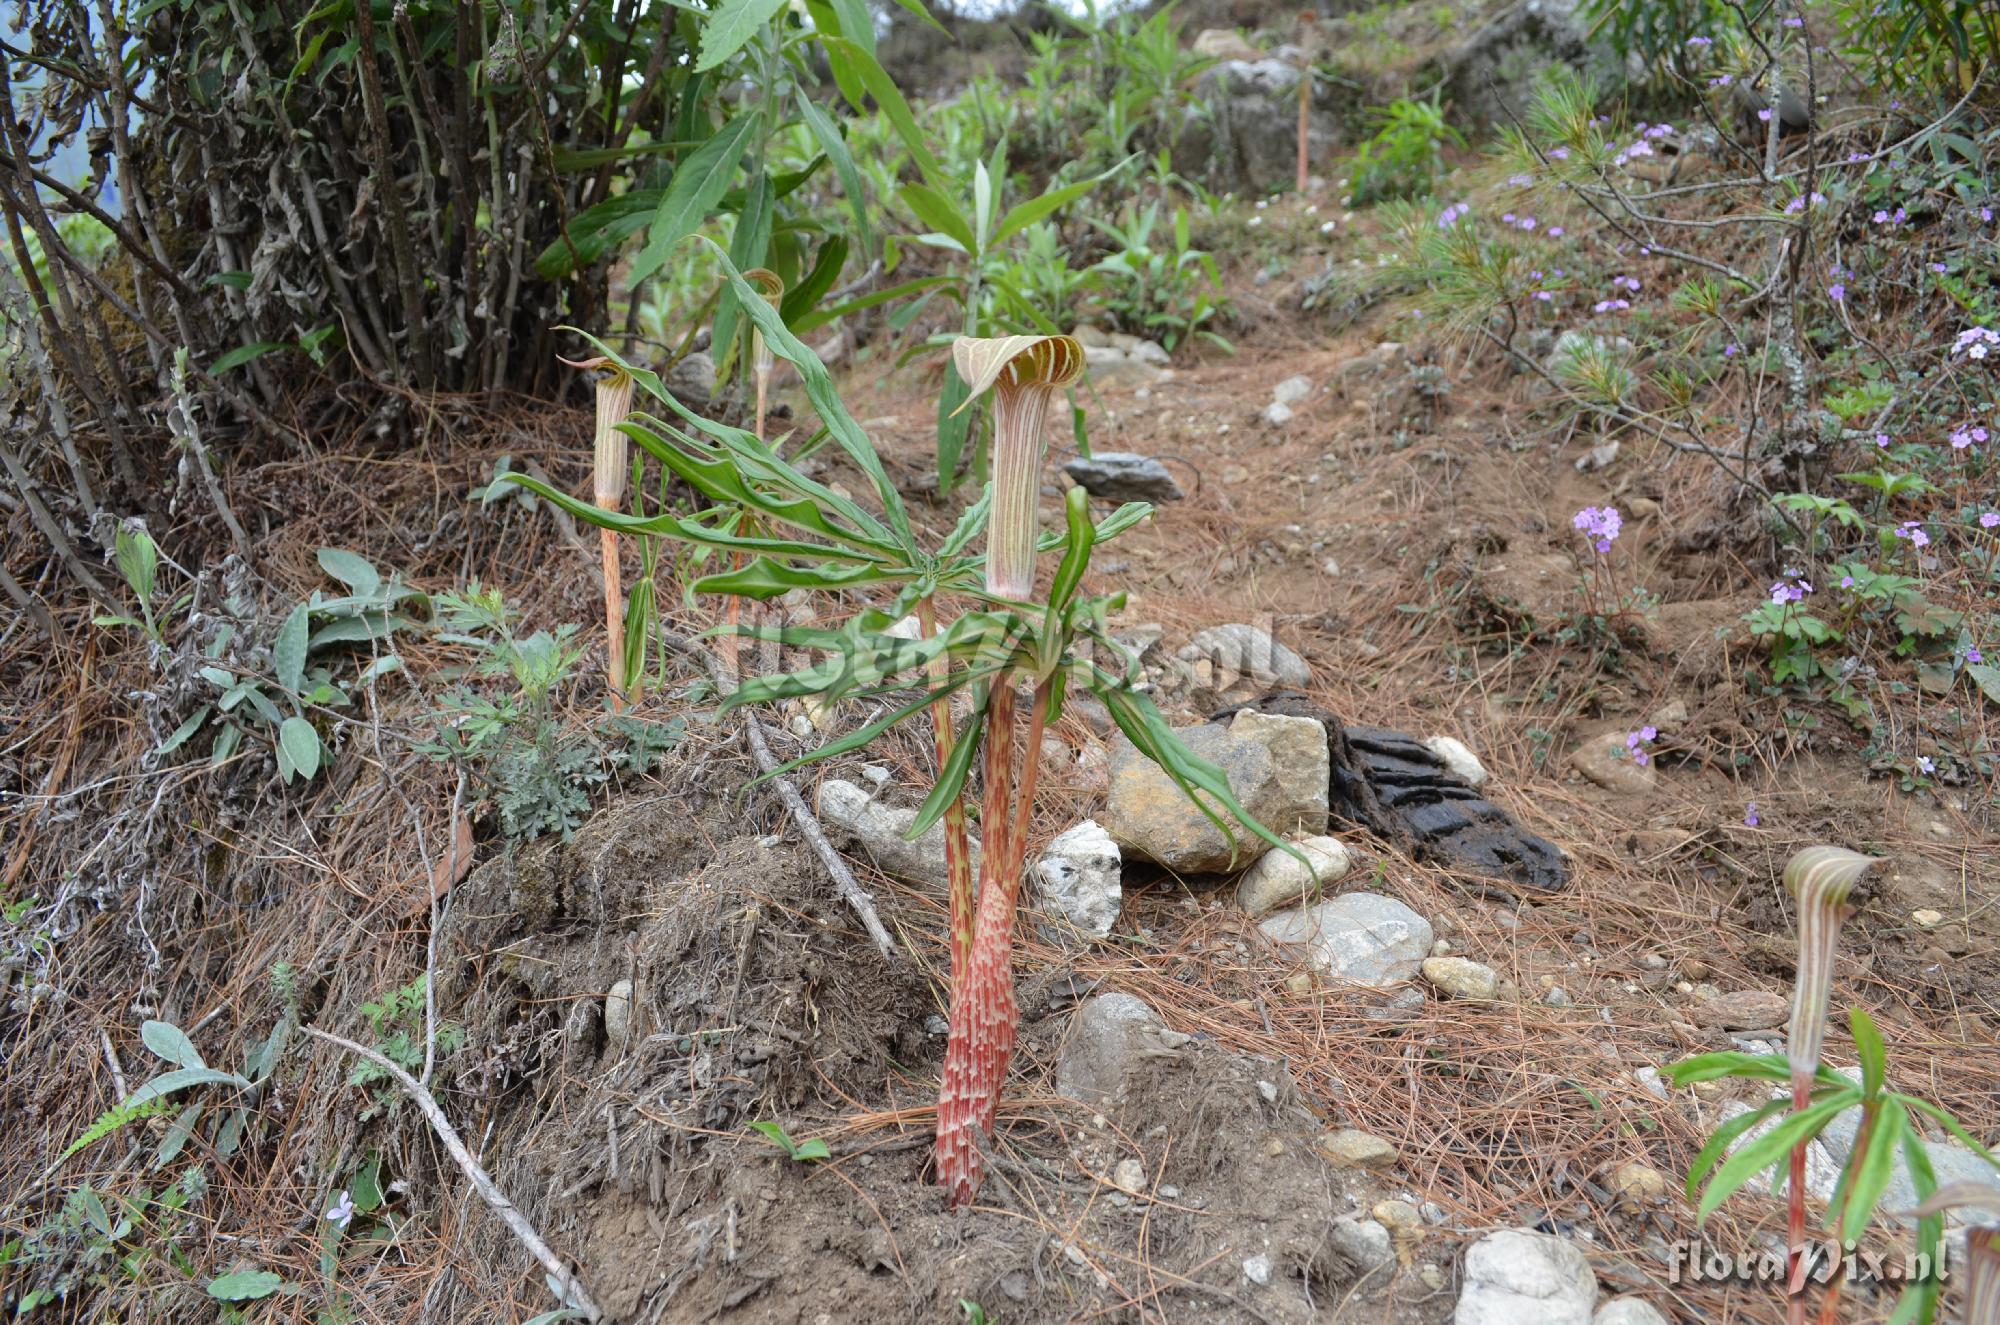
(1821, 878)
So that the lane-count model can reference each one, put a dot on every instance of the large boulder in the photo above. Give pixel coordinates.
(1517, 1277)
(1243, 131)
(1277, 769)
(1490, 76)
(1357, 938)
(855, 818)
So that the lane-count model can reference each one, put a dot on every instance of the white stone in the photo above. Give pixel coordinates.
(1628, 1311)
(1464, 764)
(1360, 938)
(1364, 1241)
(1079, 877)
(1519, 1277)
(1277, 414)
(1129, 1176)
(1257, 1269)
(1280, 879)
(1292, 390)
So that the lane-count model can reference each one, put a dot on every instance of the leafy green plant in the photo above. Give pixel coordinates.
(1005, 636)
(1160, 285)
(1405, 154)
(508, 735)
(1891, 1123)
(799, 1152)
(396, 1022)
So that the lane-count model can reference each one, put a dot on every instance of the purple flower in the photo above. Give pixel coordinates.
(341, 1212)
(1611, 305)
(1836, 292)
(1787, 591)
(1765, 114)
(1600, 526)
(1521, 181)
(1965, 437)
(1925, 764)
(1976, 342)
(1750, 815)
(1558, 154)
(1847, 581)
(1555, 232)
(1701, 41)
(1973, 655)
(1939, 268)
(1795, 22)
(1882, 440)
(1451, 215)
(1913, 531)
(1989, 519)
(1730, 350)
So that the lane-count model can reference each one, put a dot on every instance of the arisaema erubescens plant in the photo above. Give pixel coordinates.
(1890, 1127)
(1008, 633)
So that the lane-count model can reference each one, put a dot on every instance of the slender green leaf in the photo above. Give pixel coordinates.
(183, 732)
(243, 354)
(835, 146)
(288, 652)
(1867, 1175)
(168, 1083)
(1725, 1136)
(1765, 1151)
(698, 184)
(804, 296)
(730, 26)
(1024, 214)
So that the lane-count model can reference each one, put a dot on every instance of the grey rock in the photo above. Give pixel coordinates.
(1110, 366)
(1292, 390)
(1224, 44)
(1240, 652)
(1123, 476)
(1281, 879)
(1649, 1078)
(1558, 998)
(1628, 1311)
(693, 378)
(1242, 131)
(1277, 414)
(1079, 876)
(1277, 770)
(1359, 938)
(1519, 1277)
(853, 818)
(1364, 1242)
(1109, 1037)
(1257, 1269)
(1491, 74)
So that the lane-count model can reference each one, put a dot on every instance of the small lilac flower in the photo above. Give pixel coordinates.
(1854, 158)
(341, 1212)
(1989, 519)
(1882, 440)
(1521, 181)
(1973, 655)
(1940, 268)
(1765, 114)
(1701, 41)
(1558, 154)
(1836, 292)
(1925, 764)
(1976, 342)
(1847, 581)
(1913, 531)
(1555, 232)
(1451, 215)
(1635, 744)
(1795, 22)
(1508, 217)
(1750, 815)
(1731, 350)
(1722, 80)
(1611, 305)
(1600, 526)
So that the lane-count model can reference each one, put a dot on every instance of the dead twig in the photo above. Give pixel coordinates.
(561, 1276)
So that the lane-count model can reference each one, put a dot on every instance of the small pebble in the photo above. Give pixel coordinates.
(1557, 998)
(1258, 1269)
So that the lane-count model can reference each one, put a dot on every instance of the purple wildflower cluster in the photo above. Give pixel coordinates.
(1976, 342)
(1519, 222)
(1750, 819)
(1601, 527)
(1453, 214)
(1963, 438)
(1989, 519)
(1913, 530)
(1791, 589)
(1635, 744)
(1804, 200)
(1891, 219)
